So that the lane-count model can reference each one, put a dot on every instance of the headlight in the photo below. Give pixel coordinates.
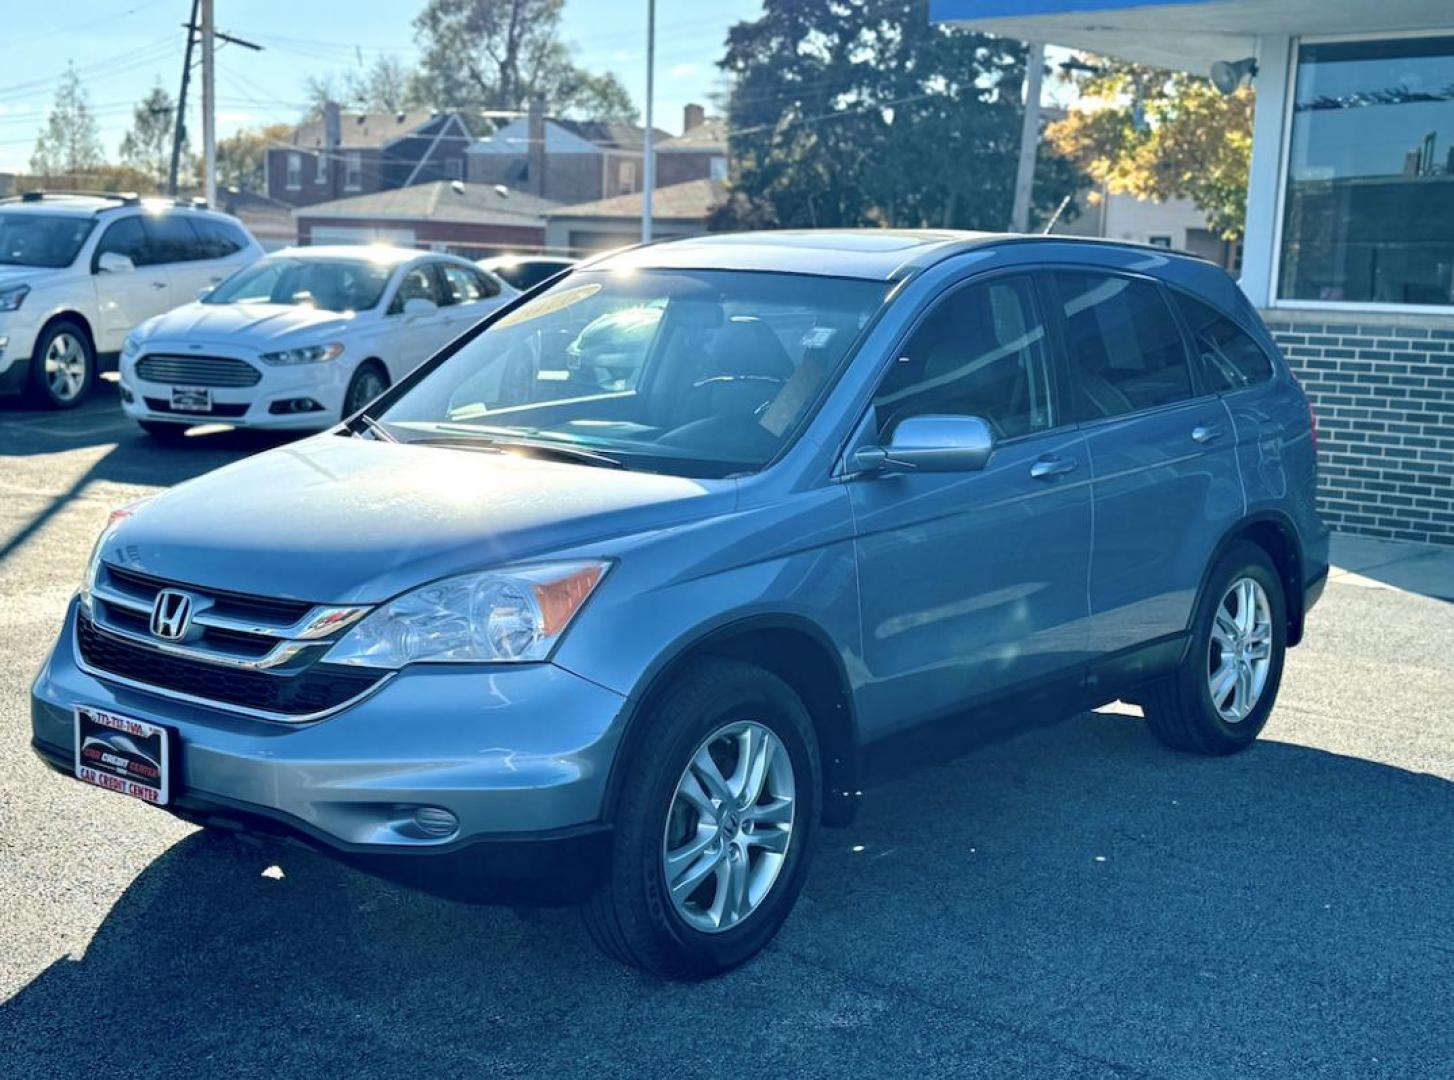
(11, 298)
(500, 616)
(130, 347)
(93, 564)
(307, 354)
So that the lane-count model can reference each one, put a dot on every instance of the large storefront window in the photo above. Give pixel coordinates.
(1370, 180)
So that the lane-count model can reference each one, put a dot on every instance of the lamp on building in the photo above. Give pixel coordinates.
(1228, 75)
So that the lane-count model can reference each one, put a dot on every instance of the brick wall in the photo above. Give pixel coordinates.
(1383, 390)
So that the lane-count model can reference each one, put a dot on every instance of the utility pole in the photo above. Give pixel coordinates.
(1029, 138)
(209, 105)
(648, 173)
(179, 135)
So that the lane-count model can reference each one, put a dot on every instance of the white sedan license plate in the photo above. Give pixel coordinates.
(196, 399)
(122, 754)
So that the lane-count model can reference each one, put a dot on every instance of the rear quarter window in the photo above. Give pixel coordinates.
(1229, 355)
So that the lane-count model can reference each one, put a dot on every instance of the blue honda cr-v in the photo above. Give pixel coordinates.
(627, 591)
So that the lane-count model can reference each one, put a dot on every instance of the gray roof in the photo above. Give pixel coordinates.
(441, 200)
(362, 131)
(690, 200)
(708, 136)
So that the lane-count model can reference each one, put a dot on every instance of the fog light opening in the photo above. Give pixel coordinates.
(435, 821)
(294, 405)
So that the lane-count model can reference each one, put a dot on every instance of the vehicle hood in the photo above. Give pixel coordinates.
(25, 275)
(260, 326)
(346, 520)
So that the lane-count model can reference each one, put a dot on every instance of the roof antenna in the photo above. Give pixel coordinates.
(1055, 217)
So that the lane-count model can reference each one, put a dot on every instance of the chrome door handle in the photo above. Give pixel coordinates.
(1205, 433)
(1048, 467)
(158, 284)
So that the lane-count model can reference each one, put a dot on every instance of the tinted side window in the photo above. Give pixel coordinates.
(418, 283)
(1230, 356)
(126, 237)
(217, 239)
(981, 352)
(1127, 348)
(172, 239)
(464, 286)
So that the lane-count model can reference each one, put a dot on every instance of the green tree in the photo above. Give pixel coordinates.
(1162, 135)
(242, 158)
(69, 143)
(862, 112)
(147, 147)
(497, 54)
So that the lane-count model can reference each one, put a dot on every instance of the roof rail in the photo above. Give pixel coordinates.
(124, 198)
(197, 202)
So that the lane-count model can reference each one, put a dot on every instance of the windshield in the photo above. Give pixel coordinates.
(695, 372)
(326, 284)
(51, 240)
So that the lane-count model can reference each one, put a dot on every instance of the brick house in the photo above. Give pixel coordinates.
(566, 161)
(699, 152)
(443, 215)
(1349, 241)
(345, 153)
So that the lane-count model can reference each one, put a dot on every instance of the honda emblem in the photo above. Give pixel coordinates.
(171, 615)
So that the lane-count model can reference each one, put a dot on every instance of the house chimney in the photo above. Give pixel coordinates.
(693, 116)
(332, 125)
(535, 156)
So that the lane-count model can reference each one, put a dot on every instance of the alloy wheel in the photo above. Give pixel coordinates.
(367, 386)
(729, 826)
(65, 366)
(1239, 655)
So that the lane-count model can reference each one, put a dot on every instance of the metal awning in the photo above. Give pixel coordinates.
(1187, 34)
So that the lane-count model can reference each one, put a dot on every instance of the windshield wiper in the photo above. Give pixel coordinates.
(374, 428)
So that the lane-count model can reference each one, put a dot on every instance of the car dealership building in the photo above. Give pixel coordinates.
(1349, 245)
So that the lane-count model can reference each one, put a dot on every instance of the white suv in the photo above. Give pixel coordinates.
(77, 272)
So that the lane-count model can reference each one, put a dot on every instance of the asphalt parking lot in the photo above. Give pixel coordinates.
(1077, 901)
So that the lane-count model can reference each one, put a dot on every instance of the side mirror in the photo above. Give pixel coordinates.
(113, 262)
(416, 306)
(934, 444)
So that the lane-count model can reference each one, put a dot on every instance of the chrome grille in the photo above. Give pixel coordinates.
(197, 371)
(268, 637)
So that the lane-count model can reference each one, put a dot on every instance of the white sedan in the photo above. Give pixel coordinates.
(301, 338)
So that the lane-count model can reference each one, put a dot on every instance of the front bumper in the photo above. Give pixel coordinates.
(520, 756)
(244, 406)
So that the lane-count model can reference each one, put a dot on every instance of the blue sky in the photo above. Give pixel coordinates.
(121, 47)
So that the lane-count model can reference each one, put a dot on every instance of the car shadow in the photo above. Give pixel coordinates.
(1076, 901)
(124, 454)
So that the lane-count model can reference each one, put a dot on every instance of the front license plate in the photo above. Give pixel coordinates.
(122, 754)
(191, 399)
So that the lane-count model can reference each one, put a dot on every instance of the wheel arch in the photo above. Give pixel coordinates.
(69, 316)
(797, 651)
(1275, 534)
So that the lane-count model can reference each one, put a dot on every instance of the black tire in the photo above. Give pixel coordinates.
(368, 382)
(631, 916)
(1179, 708)
(39, 389)
(163, 431)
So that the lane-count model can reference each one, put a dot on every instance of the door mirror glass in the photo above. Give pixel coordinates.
(113, 262)
(417, 306)
(931, 444)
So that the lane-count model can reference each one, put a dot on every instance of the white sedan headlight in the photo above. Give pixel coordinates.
(13, 297)
(513, 615)
(307, 354)
(130, 347)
